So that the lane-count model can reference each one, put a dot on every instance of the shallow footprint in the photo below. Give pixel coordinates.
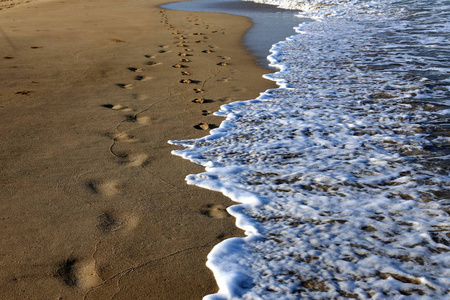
(145, 120)
(217, 211)
(152, 63)
(142, 77)
(109, 222)
(107, 188)
(134, 159)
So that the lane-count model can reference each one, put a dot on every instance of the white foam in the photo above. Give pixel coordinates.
(341, 195)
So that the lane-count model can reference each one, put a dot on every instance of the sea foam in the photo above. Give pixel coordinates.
(341, 172)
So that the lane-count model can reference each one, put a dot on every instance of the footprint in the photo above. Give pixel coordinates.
(8, 57)
(137, 70)
(126, 86)
(109, 222)
(125, 137)
(26, 93)
(140, 96)
(36, 47)
(206, 112)
(216, 211)
(163, 46)
(198, 90)
(207, 51)
(202, 100)
(197, 33)
(145, 120)
(224, 79)
(117, 41)
(186, 73)
(184, 54)
(179, 66)
(152, 63)
(224, 57)
(142, 77)
(185, 60)
(116, 107)
(79, 273)
(149, 56)
(200, 41)
(107, 188)
(222, 64)
(182, 45)
(134, 159)
(189, 81)
(205, 126)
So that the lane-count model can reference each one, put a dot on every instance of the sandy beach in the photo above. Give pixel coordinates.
(93, 204)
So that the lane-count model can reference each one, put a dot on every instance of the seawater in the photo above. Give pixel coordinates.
(341, 173)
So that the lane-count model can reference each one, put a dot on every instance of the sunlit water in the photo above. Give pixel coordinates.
(341, 172)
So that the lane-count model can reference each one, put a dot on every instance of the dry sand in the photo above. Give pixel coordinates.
(93, 205)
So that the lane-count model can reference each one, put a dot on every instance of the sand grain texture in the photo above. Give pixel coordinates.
(93, 205)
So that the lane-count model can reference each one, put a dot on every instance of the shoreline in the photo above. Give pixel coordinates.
(94, 204)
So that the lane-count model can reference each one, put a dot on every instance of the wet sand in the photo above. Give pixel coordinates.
(93, 205)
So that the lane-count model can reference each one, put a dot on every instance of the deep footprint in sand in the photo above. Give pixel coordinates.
(179, 66)
(189, 81)
(126, 86)
(137, 70)
(116, 107)
(205, 126)
(217, 211)
(80, 273)
(202, 100)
